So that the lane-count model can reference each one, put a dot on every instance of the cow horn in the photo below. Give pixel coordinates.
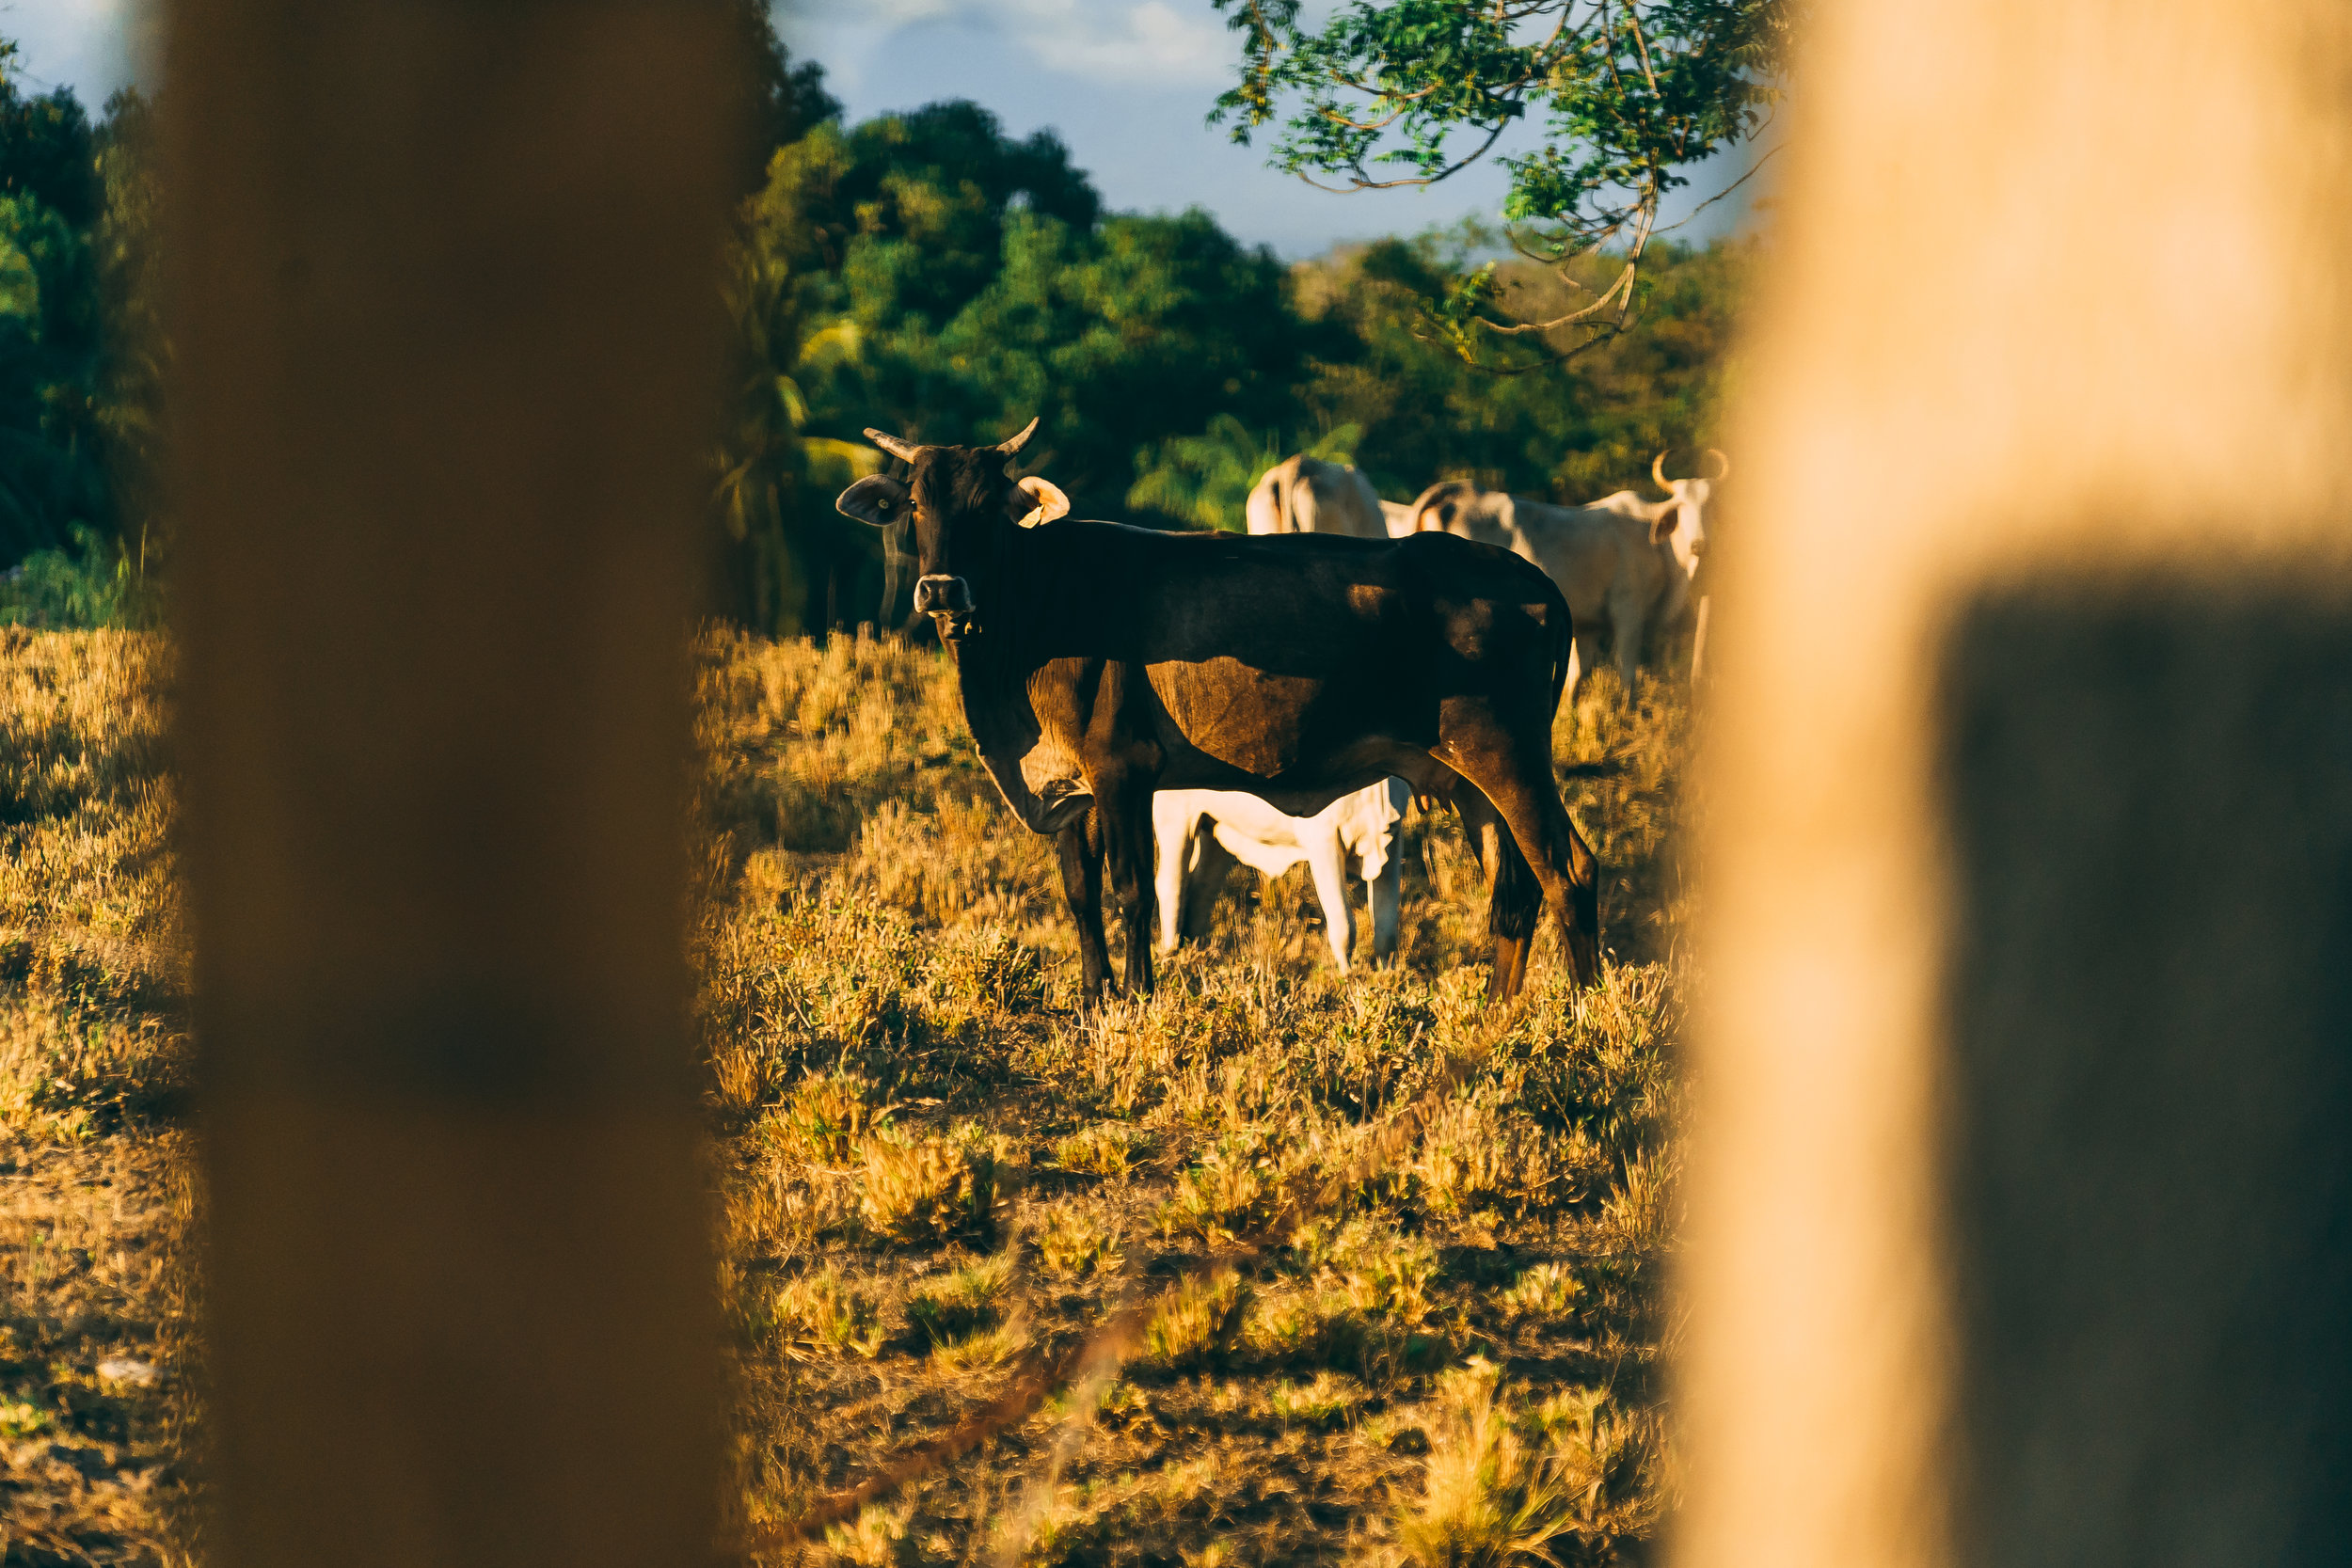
(1015, 443)
(1657, 470)
(1723, 464)
(891, 444)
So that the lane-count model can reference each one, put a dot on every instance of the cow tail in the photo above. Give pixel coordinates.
(1563, 652)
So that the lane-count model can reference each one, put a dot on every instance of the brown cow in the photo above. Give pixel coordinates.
(1099, 663)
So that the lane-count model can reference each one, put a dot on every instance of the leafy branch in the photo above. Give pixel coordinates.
(1624, 94)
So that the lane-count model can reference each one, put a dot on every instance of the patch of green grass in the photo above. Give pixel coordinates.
(1199, 1323)
(926, 1191)
(1106, 1148)
(1507, 1484)
(1073, 1241)
(829, 1313)
(1326, 1402)
(22, 1418)
(961, 1302)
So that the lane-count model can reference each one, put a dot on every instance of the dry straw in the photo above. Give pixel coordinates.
(1084, 1369)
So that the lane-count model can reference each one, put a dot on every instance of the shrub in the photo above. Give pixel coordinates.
(1106, 1148)
(1326, 1402)
(1478, 1157)
(953, 1307)
(1490, 1499)
(930, 1191)
(21, 1419)
(1072, 1242)
(828, 1314)
(1560, 1483)
(1544, 1290)
(1386, 1275)
(831, 1113)
(1232, 1192)
(1308, 1328)
(1199, 1322)
(877, 1538)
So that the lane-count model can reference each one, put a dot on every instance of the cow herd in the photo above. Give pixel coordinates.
(1626, 563)
(1162, 705)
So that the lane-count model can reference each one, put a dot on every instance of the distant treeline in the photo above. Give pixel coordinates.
(81, 357)
(924, 272)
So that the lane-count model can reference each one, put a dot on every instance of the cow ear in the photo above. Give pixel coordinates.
(1662, 527)
(1050, 503)
(877, 499)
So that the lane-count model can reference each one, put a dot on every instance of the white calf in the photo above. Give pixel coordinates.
(1243, 828)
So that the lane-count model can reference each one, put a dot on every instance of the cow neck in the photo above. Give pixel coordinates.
(994, 666)
(994, 592)
(1028, 601)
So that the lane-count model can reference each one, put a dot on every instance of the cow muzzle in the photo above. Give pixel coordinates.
(947, 598)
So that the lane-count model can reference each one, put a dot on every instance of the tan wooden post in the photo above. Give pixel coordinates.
(448, 346)
(2023, 1172)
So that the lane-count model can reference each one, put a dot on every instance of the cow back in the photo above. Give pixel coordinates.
(1594, 553)
(1291, 667)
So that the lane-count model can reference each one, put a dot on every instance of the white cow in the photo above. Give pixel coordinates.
(1201, 832)
(1306, 495)
(1625, 564)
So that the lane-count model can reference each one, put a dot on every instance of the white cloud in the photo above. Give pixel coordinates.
(1154, 42)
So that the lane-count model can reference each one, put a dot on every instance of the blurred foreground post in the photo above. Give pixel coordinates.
(2021, 1216)
(444, 283)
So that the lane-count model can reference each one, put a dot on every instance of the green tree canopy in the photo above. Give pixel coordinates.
(1568, 430)
(1205, 481)
(81, 351)
(927, 274)
(1629, 94)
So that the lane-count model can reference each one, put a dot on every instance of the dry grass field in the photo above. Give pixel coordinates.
(98, 1366)
(1390, 1260)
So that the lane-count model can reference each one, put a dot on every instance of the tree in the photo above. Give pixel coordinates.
(46, 148)
(81, 352)
(1630, 93)
(1205, 481)
(52, 467)
(785, 101)
(949, 283)
(128, 398)
(1570, 430)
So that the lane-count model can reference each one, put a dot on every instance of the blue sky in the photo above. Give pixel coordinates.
(1126, 83)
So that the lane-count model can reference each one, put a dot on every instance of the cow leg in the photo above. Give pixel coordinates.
(1587, 656)
(1517, 902)
(1628, 626)
(1081, 858)
(1122, 768)
(1327, 863)
(1123, 802)
(1542, 831)
(1175, 829)
(1204, 878)
(1386, 890)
